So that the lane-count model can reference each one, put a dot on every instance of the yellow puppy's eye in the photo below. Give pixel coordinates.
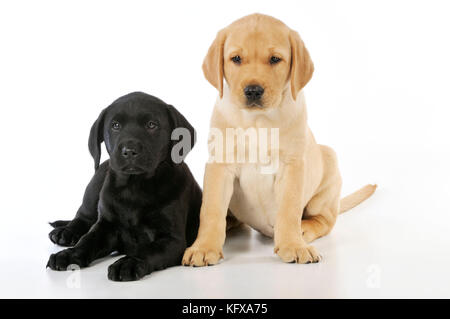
(236, 59)
(274, 60)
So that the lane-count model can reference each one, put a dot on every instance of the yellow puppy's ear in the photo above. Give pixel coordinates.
(213, 62)
(302, 67)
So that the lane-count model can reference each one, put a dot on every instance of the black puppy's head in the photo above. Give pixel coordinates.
(140, 131)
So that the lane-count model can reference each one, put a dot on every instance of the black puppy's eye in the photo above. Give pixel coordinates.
(115, 125)
(236, 59)
(274, 60)
(151, 125)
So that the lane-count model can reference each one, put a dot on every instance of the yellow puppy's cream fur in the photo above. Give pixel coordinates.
(300, 200)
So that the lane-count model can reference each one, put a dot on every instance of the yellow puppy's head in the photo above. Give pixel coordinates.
(258, 56)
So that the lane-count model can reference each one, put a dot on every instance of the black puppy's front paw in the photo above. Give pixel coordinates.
(64, 258)
(127, 269)
(64, 236)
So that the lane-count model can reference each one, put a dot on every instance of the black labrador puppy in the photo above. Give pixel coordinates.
(143, 202)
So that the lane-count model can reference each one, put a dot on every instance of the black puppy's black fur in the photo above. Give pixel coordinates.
(140, 202)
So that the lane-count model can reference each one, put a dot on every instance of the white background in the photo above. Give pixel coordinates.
(379, 96)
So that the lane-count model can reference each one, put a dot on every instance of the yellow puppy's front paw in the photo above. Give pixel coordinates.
(301, 254)
(201, 256)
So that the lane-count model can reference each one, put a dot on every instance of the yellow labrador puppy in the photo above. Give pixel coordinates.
(265, 66)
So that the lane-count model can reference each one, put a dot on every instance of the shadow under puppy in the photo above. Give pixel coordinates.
(143, 202)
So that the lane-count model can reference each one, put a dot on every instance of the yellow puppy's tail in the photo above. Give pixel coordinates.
(356, 198)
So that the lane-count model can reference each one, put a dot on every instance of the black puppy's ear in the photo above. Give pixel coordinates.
(183, 135)
(96, 138)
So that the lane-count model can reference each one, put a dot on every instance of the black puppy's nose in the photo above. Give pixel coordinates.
(131, 150)
(253, 92)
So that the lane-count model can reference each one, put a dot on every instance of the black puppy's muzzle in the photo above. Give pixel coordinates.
(254, 94)
(131, 153)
